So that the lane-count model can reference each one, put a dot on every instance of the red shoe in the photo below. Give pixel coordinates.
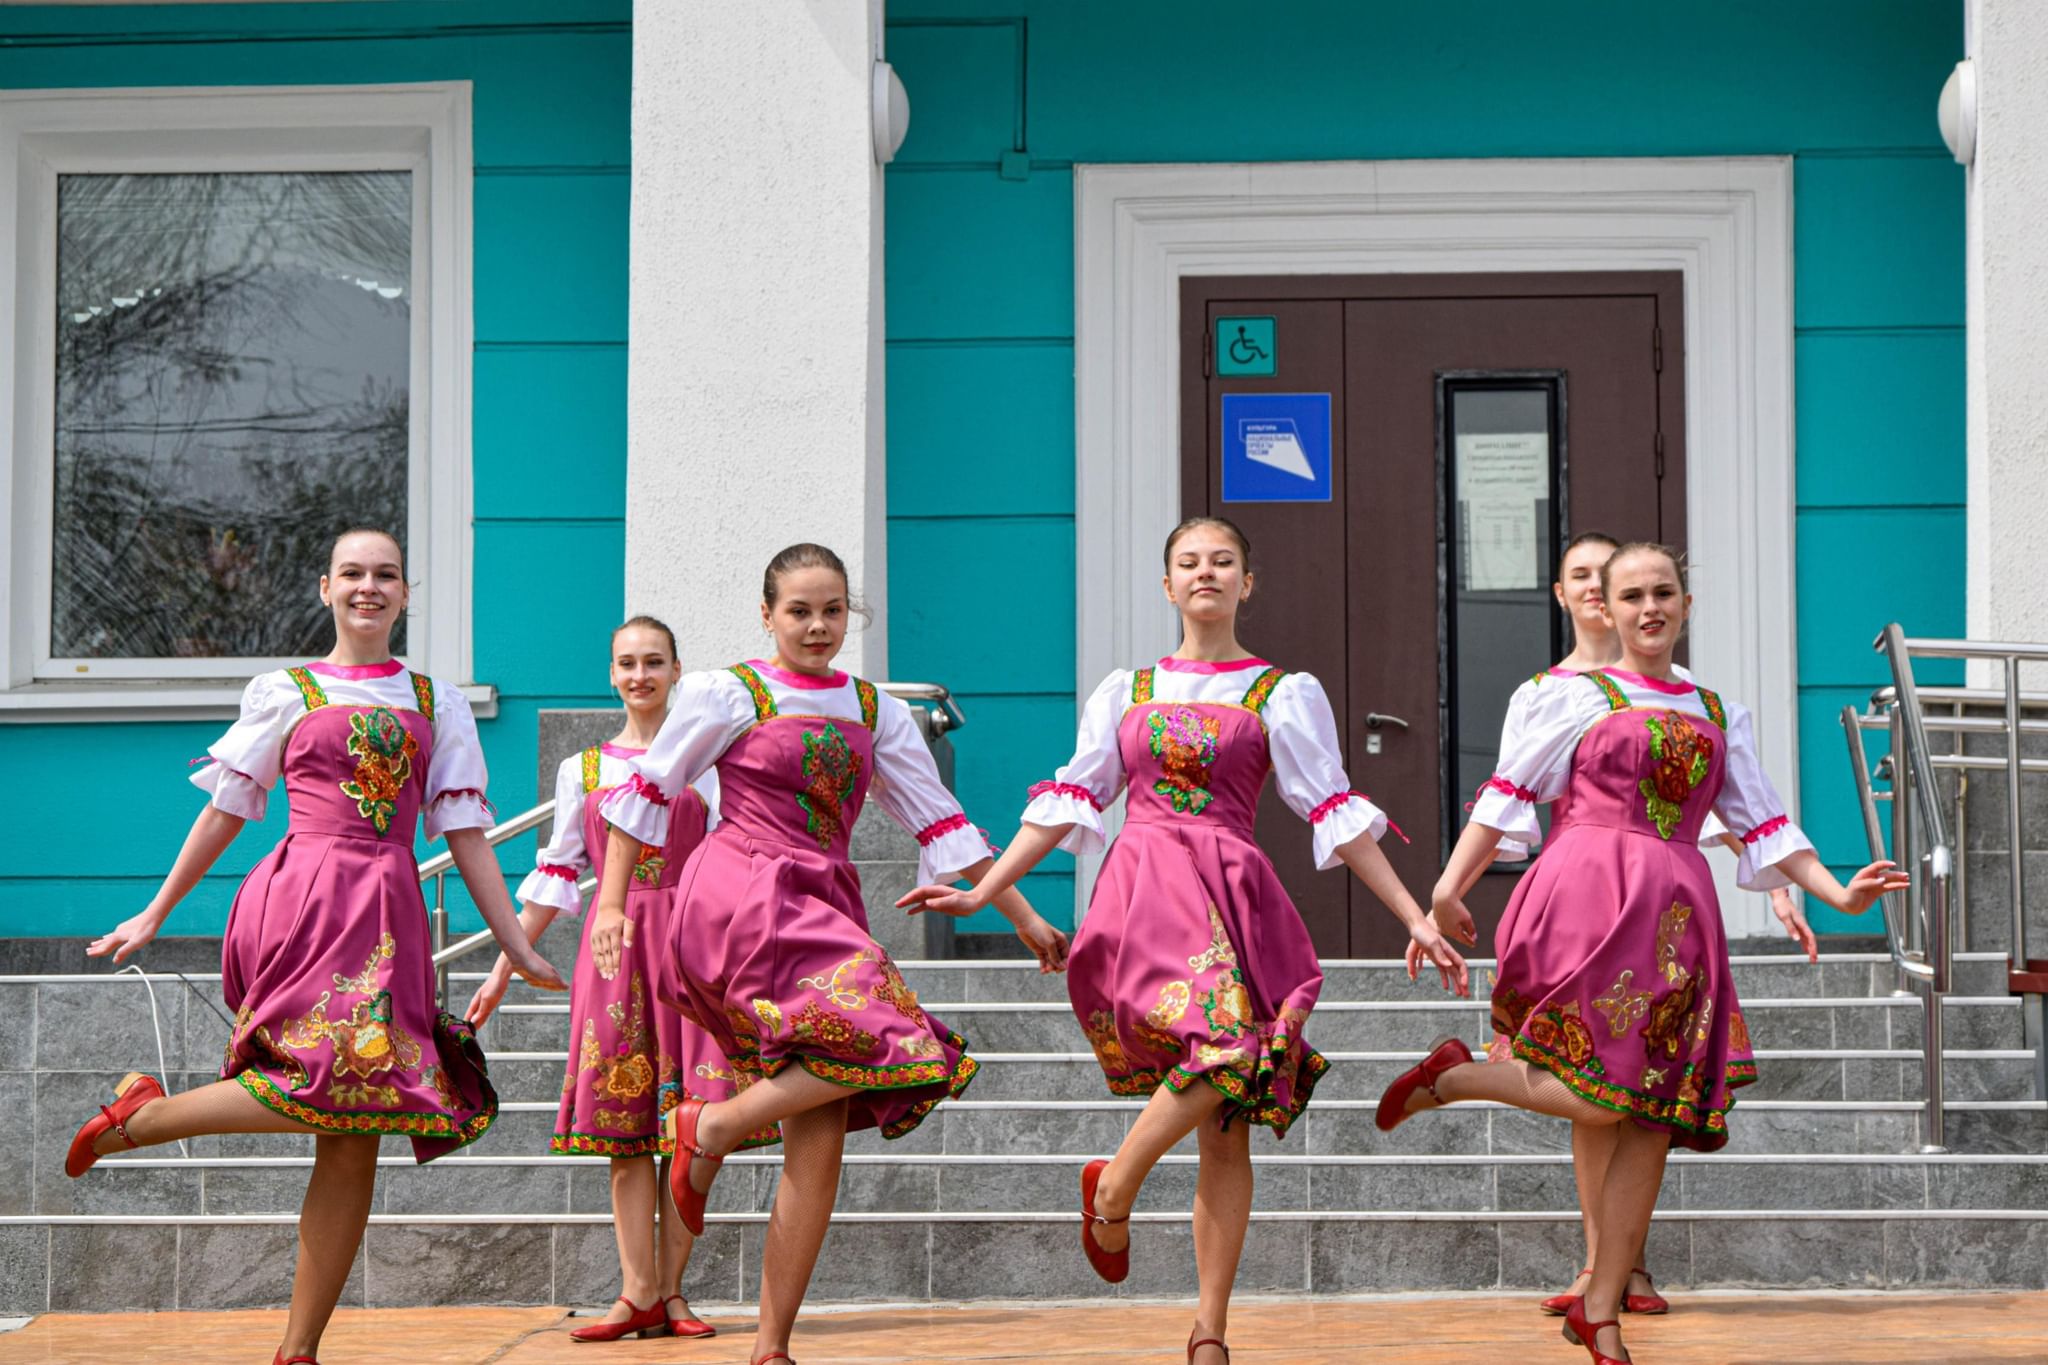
(650, 1321)
(1556, 1304)
(686, 1323)
(689, 1202)
(1194, 1346)
(133, 1091)
(1444, 1054)
(1113, 1266)
(283, 1359)
(1650, 1304)
(1579, 1332)
(774, 1355)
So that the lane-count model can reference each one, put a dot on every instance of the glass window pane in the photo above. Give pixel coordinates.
(233, 379)
(1503, 530)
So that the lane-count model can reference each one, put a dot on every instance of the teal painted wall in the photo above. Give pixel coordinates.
(980, 286)
(552, 135)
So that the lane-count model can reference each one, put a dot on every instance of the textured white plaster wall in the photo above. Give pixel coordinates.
(2008, 324)
(754, 398)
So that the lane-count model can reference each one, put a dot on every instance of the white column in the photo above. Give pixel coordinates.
(2008, 323)
(754, 389)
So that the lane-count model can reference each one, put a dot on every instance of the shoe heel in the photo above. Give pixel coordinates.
(1571, 1336)
(121, 1086)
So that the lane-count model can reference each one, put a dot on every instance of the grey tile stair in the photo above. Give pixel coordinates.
(1820, 1184)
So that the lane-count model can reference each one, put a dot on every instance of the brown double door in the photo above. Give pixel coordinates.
(1474, 423)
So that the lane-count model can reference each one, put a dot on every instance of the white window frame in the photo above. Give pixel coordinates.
(423, 129)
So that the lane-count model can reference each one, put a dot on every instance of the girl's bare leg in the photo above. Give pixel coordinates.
(673, 1255)
(1627, 1199)
(331, 1225)
(1223, 1211)
(1167, 1117)
(221, 1107)
(633, 1224)
(1514, 1082)
(1592, 1149)
(813, 1142)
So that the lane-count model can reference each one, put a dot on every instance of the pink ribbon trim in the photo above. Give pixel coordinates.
(1767, 828)
(939, 829)
(1507, 788)
(641, 787)
(567, 874)
(1069, 789)
(482, 800)
(1322, 812)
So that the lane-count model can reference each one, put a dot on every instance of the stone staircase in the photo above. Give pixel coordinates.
(1822, 1184)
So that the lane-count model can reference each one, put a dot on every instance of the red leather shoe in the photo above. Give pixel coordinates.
(1649, 1305)
(1194, 1346)
(1556, 1304)
(1444, 1054)
(283, 1359)
(686, 1323)
(1113, 1266)
(650, 1321)
(689, 1202)
(133, 1091)
(1579, 1332)
(774, 1355)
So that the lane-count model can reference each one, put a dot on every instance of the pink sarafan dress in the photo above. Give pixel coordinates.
(327, 962)
(1192, 963)
(1614, 973)
(769, 948)
(631, 1058)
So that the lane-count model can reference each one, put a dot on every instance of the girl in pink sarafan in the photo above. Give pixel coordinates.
(1193, 975)
(1614, 989)
(768, 947)
(326, 962)
(631, 1058)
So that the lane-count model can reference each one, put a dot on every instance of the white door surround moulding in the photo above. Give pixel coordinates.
(1724, 223)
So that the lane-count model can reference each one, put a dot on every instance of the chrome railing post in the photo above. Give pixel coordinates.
(439, 920)
(2015, 769)
(1933, 1119)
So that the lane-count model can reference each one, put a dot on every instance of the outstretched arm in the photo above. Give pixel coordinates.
(1025, 852)
(1805, 869)
(1368, 862)
(212, 831)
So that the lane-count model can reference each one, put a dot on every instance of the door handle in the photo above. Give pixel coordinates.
(1374, 720)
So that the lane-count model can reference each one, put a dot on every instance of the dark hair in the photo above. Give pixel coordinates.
(1223, 524)
(1648, 547)
(806, 555)
(647, 623)
(367, 531)
(1584, 538)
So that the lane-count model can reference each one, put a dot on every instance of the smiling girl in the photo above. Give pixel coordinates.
(631, 1058)
(326, 961)
(1614, 987)
(768, 947)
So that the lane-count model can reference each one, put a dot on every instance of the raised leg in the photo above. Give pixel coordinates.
(1518, 1083)
(331, 1225)
(1167, 1117)
(1223, 1211)
(813, 1142)
(220, 1107)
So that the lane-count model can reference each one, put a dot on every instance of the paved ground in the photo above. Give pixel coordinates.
(1820, 1329)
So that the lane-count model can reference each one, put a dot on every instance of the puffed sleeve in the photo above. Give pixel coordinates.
(1536, 769)
(1517, 719)
(1308, 769)
(243, 765)
(563, 861)
(456, 776)
(1093, 777)
(710, 711)
(1753, 811)
(908, 787)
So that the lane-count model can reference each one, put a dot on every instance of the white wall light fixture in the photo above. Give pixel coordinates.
(1956, 112)
(890, 120)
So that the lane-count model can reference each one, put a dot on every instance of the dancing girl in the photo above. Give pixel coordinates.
(1192, 974)
(326, 961)
(1614, 987)
(631, 1058)
(768, 947)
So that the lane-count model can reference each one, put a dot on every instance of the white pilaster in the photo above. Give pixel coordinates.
(2008, 323)
(754, 390)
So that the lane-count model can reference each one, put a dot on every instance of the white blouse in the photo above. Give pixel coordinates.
(563, 861)
(249, 758)
(713, 709)
(1535, 770)
(1301, 736)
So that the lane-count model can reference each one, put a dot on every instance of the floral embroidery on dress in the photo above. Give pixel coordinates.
(362, 1093)
(757, 691)
(1562, 1031)
(1510, 1008)
(1738, 1031)
(365, 1044)
(1185, 743)
(1219, 952)
(1173, 1004)
(1109, 1050)
(895, 991)
(365, 981)
(647, 867)
(384, 751)
(627, 1074)
(1261, 690)
(1671, 927)
(841, 987)
(1682, 754)
(1228, 1006)
(831, 770)
(1671, 1018)
(1623, 1005)
(816, 1026)
(310, 690)
(592, 769)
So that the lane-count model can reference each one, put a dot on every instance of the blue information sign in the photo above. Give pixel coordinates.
(1276, 447)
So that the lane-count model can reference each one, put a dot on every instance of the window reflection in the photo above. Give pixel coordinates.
(233, 380)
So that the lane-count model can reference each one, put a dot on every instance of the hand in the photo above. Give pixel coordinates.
(611, 937)
(945, 900)
(1880, 878)
(485, 1001)
(1796, 928)
(1046, 943)
(1425, 941)
(127, 937)
(536, 970)
(1453, 920)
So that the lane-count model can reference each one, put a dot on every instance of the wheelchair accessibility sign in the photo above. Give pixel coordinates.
(1276, 447)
